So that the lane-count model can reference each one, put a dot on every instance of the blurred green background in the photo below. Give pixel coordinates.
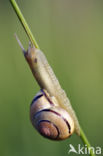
(71, 35)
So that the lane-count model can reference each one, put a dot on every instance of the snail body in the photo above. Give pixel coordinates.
(50, 112)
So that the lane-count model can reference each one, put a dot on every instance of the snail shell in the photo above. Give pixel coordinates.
(49, 119)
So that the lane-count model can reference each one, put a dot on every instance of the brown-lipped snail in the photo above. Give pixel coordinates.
(50, 111)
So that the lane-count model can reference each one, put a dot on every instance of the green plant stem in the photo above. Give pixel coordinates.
(32, 39)
(85, 141)
(24, 23)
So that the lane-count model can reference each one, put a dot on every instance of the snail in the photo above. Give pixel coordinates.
(50, 111)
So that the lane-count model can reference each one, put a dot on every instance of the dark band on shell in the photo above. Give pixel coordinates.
(52, 111)
(48, 132)
(36, 98)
